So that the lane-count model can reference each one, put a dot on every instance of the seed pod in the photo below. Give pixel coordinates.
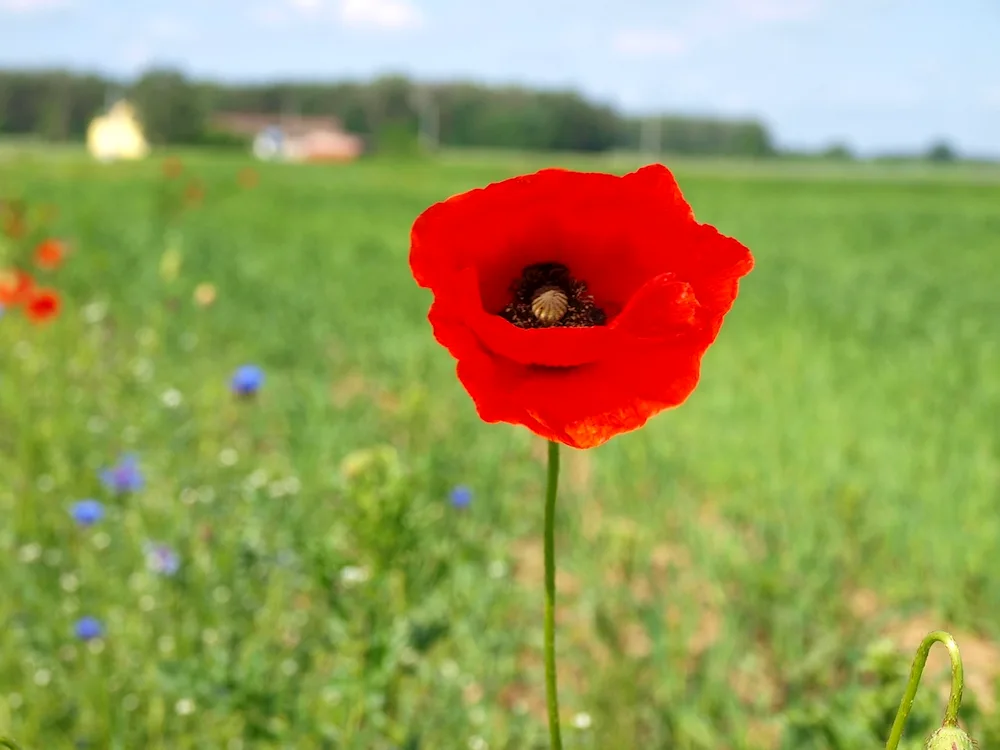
(950, 738)
(549, 305)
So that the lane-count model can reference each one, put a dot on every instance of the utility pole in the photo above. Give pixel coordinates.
(290, 106)
(651, 136)
(428, 115)
(110, 96)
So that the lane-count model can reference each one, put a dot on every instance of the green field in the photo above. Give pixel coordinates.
(751, 570)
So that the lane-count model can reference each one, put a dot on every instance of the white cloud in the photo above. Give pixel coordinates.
(380, 14)
(33, 6)
(268, 16)
(778, 10)
(649, 43)
(308, 7)
(710, 21)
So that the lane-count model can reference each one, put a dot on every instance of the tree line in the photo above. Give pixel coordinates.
(59, 105)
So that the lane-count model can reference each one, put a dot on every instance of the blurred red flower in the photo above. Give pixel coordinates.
(42, 305)
(12, 218)
(49, 253)
(248, 178)
(172, 167)
(15, 287)
(194, 193)
(576, 304)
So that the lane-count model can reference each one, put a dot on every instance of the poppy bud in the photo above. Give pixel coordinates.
(950, 738)
(170, 263)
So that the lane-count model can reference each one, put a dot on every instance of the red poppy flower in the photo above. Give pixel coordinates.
(15, 287)
(49, 253)
(43, 305)
(577, 304)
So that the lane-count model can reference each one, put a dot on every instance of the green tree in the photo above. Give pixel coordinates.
(171, 107)
(837, 152)
(55, 107)
(174, 109)
(941, 151)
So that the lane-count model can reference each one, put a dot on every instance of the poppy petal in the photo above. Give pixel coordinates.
(662, 308)
(43, 305)
(583, 406)
(585, 220)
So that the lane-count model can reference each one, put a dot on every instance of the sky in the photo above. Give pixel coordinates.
(879, 75)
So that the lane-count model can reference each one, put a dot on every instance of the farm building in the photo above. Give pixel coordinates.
(117, 135)
(287, 138)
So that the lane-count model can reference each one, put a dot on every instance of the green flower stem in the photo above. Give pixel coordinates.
(957, 685)
(551, 691)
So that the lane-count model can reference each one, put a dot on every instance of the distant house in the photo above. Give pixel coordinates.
(269, 144)
(288, 138)
(117, 135)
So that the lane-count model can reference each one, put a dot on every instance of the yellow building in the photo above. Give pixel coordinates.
(117, 135)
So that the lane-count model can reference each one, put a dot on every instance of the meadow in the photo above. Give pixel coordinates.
(352, 560)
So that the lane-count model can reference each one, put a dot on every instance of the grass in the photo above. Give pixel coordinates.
(752, 570)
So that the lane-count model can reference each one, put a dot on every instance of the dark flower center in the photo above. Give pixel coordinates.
(546, 296)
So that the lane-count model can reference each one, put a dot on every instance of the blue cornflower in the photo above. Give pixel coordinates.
(461, 497)
(247, 380)
(162, 559)
(124, 476)
(88, 628)
(87, 512)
